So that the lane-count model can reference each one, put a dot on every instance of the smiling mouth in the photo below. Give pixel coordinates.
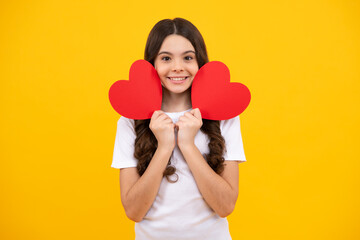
(177, 78)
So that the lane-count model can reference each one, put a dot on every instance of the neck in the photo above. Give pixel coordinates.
(176, 102)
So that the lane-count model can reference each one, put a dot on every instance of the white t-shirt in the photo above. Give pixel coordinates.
(179, 211)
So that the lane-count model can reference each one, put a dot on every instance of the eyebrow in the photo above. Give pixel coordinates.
(186, 52)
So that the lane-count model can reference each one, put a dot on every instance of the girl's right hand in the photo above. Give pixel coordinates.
(164, 129)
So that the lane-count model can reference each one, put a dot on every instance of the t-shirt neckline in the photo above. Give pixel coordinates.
(174, 114)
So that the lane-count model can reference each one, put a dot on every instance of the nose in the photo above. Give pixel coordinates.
(177, 66)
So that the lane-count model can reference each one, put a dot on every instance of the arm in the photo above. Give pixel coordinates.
(139, 192)
(219, 191)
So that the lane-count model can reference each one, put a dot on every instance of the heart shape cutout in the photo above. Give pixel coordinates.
(139, 97)
(211, 92)
(214, 94)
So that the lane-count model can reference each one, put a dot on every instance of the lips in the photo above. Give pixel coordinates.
(178, 79)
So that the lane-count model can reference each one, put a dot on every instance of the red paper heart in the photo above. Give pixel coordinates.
(139, 97)
(215, 96)
(211, 92)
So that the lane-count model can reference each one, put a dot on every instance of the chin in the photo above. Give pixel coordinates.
(178, 90)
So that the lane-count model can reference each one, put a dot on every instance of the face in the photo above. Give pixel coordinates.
(176, 64)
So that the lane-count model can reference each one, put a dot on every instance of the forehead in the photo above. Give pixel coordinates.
(176, 44)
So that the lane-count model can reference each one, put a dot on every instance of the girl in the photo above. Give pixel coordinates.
(178, 182)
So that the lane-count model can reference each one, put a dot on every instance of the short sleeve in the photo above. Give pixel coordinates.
(230, 130)
(123, 156)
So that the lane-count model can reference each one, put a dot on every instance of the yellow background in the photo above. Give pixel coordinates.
(300, 59)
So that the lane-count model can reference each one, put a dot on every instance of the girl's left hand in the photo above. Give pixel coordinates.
(188, 126)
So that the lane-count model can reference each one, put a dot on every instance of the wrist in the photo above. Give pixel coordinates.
(165, 149)
(187, 147)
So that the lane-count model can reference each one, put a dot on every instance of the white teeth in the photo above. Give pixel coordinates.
(178, 79)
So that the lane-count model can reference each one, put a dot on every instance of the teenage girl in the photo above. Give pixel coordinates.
(178, 172)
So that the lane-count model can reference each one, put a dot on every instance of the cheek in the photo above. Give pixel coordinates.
(161, 70)
(194, 70)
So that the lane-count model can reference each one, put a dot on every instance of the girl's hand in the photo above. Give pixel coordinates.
(164, 130)
(188, 126)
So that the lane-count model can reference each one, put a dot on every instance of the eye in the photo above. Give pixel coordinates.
(165, 58)
(189, 58)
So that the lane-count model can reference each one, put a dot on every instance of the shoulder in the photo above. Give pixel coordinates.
(126, 122)
(123, 156)
(126, 127)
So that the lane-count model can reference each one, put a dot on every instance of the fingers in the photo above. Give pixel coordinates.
(189, 120)
(160, 120)
(156, 114)
(163, 128)
(159, 116)
(192, 115)
(196, 112)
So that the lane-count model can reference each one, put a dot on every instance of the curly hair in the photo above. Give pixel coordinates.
(145, 142)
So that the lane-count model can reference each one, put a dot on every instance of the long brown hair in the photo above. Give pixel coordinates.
(145, 142)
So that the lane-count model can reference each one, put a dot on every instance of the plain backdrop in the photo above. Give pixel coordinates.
(300, 60)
